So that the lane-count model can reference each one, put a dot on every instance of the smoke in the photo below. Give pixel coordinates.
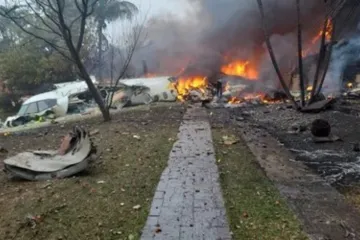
(344, 54)
(219, 31)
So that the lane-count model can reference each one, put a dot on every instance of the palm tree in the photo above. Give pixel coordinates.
(109, 11)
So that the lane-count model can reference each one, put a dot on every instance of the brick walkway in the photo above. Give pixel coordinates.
(188, 203)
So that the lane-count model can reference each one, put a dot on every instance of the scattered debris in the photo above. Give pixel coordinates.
(48, 185)
(32, 220)
(45, 165)
(136, 207)
(137, 137)
(65, 144)
(320, 128)
(94, 132)
(230, 140)
(356, 147)
(328, 139)
(3, 150)
(318, 153)
(318, 106)
(298, 127)
(321, 131)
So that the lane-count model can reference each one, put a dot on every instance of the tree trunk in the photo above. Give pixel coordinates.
(97, 97)
(85, 75)
(272, 56)
(301, 69)
(327, 59)
(100, 42)
(320, 60)
(93, 90)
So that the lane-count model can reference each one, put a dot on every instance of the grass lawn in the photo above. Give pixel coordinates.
(99, 204)
(254, 207)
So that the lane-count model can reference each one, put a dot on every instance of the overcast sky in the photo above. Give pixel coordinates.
(177, 7)
(155, 7)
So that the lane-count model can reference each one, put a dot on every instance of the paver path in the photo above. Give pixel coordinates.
(188, 203)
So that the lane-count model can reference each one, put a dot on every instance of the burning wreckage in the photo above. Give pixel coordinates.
(236, 84)
(74, 98)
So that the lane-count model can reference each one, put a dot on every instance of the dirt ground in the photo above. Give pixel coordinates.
(100, 203)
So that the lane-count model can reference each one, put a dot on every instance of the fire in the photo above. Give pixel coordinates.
(234, 100)
(185, 84)
(328, 32)
(240, 68)
(260, 97)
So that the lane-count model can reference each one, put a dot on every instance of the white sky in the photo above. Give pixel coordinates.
(151, 8)
(179, 8)
(155, 7)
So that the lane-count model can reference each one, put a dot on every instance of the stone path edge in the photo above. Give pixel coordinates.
(188, 202)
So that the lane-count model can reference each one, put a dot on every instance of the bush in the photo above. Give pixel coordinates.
(9, 102)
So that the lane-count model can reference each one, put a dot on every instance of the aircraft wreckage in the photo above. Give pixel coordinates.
(75, 155)
(74, 98)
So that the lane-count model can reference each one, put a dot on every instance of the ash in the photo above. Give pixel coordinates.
(338, 162)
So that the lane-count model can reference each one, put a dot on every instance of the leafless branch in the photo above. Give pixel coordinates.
(272, 55)
(51, 15)
(300, 57)
(135, 38)
(327, 58)
(320, 60)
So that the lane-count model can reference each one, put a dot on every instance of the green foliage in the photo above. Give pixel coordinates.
(26, 62)
(113, 10)
(9, 102)
(25, 68)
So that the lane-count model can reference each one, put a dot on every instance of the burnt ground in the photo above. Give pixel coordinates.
(304, 175)
(337, 162)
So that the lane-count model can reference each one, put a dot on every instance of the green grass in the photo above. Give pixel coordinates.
(254, 207)
(98, 205)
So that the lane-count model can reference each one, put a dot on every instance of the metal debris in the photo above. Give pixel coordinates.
(45, 165)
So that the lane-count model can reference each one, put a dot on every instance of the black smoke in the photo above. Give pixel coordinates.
(229, 28)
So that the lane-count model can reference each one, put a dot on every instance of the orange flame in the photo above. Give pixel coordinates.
(234, 100)
(184, 85)
(328, 32)
(260, 97)
(240, 68)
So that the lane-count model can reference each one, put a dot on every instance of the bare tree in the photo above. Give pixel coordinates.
(272, 55)
(126, 43)
(62, 25)
(300, 55)
(332, 10)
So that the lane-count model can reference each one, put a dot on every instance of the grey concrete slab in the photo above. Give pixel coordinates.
(188, 202)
